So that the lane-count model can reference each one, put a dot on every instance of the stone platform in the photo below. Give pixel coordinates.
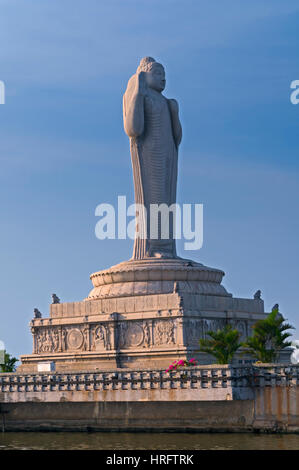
(143, 313)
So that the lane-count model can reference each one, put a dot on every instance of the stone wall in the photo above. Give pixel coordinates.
(128, 416)
(219, 398)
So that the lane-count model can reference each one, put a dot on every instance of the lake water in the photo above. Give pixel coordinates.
(146, 441)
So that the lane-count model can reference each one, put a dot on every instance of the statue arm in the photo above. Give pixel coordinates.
(133, 108)
(176, 125)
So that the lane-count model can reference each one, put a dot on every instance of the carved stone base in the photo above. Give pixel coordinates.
(156, 276)
(140, 314)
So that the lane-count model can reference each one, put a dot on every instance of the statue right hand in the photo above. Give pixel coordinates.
(141, 87)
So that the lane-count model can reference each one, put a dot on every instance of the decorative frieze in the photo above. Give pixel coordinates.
(104, 336)
(117, 334)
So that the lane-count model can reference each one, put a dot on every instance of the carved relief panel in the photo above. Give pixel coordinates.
(101, 337)
(47, 340)
(164, 332)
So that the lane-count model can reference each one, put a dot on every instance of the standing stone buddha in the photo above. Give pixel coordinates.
(152, 123)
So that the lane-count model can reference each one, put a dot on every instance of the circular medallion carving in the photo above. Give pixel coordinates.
(75, 339)
(134, 335)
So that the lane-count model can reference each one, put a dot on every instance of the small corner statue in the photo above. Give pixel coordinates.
(152, 123)
(55, 299)
(37, 313)
(257, 295)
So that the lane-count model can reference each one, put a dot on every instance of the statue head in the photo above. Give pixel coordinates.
(154, 73)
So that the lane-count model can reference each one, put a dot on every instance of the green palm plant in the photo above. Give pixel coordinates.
(222, 344)
(9, 364)
(269, 337)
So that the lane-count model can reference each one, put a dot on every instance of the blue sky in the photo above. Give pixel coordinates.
(65, 64)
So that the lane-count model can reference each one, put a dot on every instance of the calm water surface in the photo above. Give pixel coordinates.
(146, 441)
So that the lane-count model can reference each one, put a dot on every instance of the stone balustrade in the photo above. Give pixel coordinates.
(274, 375)
(203, 377)
(119, 380)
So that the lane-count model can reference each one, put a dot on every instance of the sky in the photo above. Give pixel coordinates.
(63, 150)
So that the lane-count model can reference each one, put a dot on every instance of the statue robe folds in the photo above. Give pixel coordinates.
(154, 155)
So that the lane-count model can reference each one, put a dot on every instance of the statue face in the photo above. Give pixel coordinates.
(156, 77)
